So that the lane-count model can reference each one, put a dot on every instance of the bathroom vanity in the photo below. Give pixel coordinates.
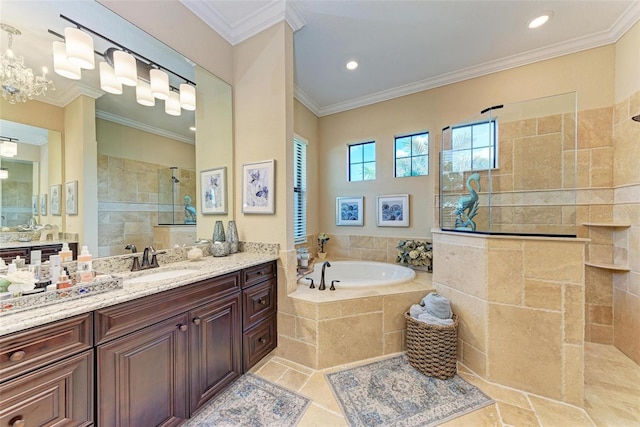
(157, 359)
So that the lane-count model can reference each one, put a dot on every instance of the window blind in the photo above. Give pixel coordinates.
(300, 191)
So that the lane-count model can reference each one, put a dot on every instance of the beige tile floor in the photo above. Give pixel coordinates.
(612, 395)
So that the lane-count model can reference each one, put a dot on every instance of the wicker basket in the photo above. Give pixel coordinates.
(431, 349)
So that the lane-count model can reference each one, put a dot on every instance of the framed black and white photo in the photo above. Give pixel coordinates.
(350, 211)
(393, 211)
(258, 187)
(43, 204)
(213, 191)
(55, 191)
(71, 198)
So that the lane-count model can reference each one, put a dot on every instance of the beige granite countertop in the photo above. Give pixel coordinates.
(206, 267)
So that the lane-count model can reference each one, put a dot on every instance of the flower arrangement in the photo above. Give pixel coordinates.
(322, 240)
(415, 253)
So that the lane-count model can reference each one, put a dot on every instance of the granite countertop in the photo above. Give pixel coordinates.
(206, 267)
(31, 243)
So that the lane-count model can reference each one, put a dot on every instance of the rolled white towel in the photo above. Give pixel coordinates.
(437, 305)
(416, 310)
(432, 320)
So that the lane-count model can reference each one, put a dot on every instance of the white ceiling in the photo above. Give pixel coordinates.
(408, 46)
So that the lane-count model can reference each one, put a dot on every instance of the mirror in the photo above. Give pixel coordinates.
(133, 146)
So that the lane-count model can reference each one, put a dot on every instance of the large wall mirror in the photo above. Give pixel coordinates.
(146, 168)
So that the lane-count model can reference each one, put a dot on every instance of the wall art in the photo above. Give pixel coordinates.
(213, 191)
(350, 211)
(258, 187)
(393, 211)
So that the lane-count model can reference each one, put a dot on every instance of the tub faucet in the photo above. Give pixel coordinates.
(322, 286)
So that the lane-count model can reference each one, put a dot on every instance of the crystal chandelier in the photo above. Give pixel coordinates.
(19, 84)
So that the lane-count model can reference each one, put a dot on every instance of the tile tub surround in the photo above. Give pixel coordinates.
(207, 267)
(320, 329)
(521, 306)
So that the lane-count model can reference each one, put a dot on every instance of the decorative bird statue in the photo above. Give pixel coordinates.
(189, 211)
(467, 206)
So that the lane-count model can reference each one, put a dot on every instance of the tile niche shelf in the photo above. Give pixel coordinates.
(606, 265)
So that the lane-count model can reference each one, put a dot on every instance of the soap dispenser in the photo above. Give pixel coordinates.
(65, 253)
(85, 271)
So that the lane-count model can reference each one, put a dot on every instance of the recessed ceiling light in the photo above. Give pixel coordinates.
(540, 20)
(192, 128)
(352, 65)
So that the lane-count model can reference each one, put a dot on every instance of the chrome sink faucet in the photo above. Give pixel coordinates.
(322, 286)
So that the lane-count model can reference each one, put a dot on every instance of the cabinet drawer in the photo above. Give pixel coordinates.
(259, 273)
(259, 341)
(60, 394)
(27, 350)
(258, 301)
(118, 320)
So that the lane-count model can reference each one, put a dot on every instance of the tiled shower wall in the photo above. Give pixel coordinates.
(128, 193)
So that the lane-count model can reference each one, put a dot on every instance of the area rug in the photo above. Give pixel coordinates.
(252, 402)
(392, 393)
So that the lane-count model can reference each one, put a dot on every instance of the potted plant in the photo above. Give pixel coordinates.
(322, 240)
(415, 254)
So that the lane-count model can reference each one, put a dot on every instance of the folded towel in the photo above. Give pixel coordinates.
(432, 320)
(416, 310)
(437, 306)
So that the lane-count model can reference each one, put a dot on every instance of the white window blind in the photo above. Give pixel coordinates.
(300, 191)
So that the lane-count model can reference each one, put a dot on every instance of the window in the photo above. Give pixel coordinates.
(299, 190)
(362, 161)
(473, 146)
(412, 155)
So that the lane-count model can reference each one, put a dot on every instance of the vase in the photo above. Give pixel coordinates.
(220, 249)
(232, 237)
(218, 232)
(322, 255)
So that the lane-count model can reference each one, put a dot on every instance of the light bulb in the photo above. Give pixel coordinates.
(188, 97)
(143, 94)
(125, 68)
(108, 82)
(61, 64)
(79, 48)
(159, 83)
(172, 104)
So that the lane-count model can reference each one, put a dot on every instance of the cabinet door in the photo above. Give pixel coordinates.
(60, 394)
(142, 377)
(216, 346)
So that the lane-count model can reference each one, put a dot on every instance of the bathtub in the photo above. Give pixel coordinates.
(360, 274)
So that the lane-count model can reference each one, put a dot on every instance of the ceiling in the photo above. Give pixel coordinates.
(408, 46)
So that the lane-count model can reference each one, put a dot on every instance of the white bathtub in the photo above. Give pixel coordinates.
(360, 274)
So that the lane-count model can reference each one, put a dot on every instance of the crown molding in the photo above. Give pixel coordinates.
(252, 24)
(62, 99)
(142, 126)
(620, 27)
(305, 100)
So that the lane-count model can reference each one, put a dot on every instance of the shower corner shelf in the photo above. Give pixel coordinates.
(606, 265)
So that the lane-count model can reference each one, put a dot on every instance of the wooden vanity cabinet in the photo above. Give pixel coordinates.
(46, 375)
(259, 306)
(161, 357)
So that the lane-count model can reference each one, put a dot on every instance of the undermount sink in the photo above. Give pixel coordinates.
(161, 275)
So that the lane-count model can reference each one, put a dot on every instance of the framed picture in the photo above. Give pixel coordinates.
(34, 205)
(213, 191)
(71, 197)
(393, 211)
(349, 211)
(258, 187)
(55, 191)
(43, 204)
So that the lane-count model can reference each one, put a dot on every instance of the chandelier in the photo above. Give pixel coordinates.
(19, 84)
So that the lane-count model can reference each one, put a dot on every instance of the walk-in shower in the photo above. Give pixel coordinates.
(176, 196)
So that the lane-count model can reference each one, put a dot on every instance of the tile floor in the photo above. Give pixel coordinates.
(612, 395)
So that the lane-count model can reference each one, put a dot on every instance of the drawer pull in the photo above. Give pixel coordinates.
(17, 356)
(196, 321)
(262, 340)
(17, 422)
(259, 273)
(183, 328)
(262, 301)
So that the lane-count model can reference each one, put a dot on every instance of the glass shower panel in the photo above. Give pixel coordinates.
(176, 196)
(513, 170)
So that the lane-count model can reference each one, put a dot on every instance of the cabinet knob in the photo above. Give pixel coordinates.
(262, 340)
(262, 301)
(17, 356)
(17, 421)
(196, 321)
(182, 327)
(259, 273)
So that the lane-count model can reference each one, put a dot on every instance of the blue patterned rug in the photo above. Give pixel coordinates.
(392, 393)
(252, 402)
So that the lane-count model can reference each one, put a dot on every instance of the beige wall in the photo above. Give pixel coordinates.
(33, 113)
(589, 73)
